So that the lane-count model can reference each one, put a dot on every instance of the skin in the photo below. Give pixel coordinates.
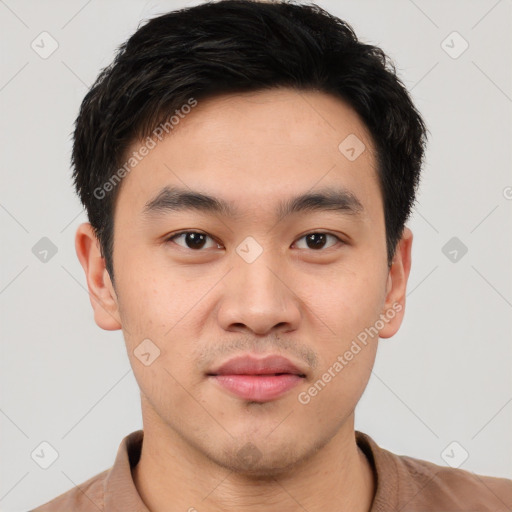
(203, 306)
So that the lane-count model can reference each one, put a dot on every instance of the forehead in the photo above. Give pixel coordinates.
(255, 148)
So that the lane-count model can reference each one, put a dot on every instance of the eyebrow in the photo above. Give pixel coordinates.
(177, 199)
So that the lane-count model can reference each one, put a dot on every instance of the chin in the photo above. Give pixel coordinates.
(247, 459)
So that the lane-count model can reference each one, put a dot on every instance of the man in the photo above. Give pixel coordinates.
(248, 169)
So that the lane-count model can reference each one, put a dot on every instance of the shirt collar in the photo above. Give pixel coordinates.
(120, 493)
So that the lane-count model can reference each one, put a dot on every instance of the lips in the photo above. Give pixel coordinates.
(249, 365)
(257, 380)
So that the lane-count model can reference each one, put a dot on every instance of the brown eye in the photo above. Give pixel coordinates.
(192, 240)
(317, 241)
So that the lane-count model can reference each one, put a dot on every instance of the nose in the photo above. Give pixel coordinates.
(259, 297)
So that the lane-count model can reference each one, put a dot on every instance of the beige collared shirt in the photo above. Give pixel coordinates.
(403, 484)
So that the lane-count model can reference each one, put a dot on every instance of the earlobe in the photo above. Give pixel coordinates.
(101, 291)
(396, 286)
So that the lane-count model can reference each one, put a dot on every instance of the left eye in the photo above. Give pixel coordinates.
(196, 240)
(317, 241)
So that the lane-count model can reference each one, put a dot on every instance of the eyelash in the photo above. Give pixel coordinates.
(170, 238)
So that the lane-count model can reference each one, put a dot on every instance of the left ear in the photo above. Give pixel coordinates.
(394, 306)
(101, 290)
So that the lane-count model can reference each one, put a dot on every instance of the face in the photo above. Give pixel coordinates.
(253, 272)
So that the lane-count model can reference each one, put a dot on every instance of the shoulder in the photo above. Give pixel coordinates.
(424, 481)
(85, 497)
(412, 484)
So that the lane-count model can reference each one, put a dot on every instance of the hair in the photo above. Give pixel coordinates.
(234, 46)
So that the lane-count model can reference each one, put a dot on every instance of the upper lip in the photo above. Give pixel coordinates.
(251, 365)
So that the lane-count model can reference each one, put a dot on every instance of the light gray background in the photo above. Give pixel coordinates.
(445, 376)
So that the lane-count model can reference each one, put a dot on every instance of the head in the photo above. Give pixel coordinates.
(290, 153)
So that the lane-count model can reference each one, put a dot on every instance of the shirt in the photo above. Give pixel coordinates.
(403, 484)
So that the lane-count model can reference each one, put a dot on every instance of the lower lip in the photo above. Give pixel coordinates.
(260, 388)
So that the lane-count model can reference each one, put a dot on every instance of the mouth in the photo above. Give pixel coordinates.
(257, 380)
(258, 388)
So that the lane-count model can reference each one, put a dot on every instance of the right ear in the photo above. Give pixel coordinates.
(101, 291)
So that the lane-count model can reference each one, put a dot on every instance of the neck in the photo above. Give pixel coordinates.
(173, 476)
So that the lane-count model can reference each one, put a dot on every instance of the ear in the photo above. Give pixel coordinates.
(394, 306)
(101, 291)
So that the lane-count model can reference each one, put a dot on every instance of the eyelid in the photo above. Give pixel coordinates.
(185, 231)
(339, 240)
(169, 238)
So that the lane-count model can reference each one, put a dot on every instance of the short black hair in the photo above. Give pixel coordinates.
(234, 46)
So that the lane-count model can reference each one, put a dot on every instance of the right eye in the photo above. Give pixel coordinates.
(194, 240)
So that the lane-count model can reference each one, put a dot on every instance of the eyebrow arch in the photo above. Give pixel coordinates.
(177, 199)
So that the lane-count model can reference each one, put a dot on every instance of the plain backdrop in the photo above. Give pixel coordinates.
(445, 376)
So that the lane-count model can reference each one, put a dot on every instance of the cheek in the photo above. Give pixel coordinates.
(335, 390)
(159, 307)
(149, 294)
(350, 308)
(347, 301)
